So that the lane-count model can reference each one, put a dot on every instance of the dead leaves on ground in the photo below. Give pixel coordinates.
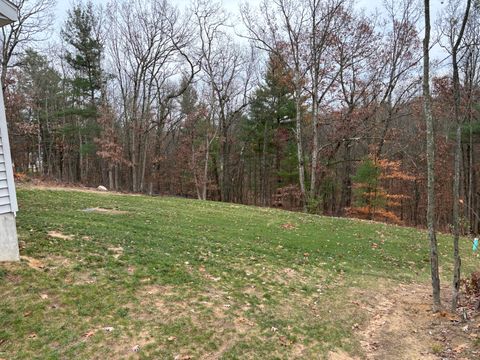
(289, 226)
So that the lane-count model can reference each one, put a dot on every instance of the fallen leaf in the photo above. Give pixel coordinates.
(44, 296)
(288, 226)
(172, 338)
(136, 348)
(89, 334)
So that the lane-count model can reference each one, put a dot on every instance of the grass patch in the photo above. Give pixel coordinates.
(169, 277)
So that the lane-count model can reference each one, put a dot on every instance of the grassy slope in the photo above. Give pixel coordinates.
(199, 279)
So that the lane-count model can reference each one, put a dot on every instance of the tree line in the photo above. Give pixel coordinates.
(309, 105)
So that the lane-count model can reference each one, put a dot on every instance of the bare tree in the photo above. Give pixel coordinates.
(401, 56)
(325, 23)
(228, 72)
(455, 28)
(34, 20)
(147, 45)
(470, 66)
(427, 109)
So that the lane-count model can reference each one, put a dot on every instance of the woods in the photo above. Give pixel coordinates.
(311, 105)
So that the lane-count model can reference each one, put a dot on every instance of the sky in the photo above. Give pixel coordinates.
(232, 6)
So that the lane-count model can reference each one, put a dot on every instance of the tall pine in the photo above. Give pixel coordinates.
(84, 56)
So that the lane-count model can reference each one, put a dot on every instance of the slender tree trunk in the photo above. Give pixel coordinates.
(315, 124)
(263, 183)
(134, 159)
(346, 195)
(205, 169)
(144, 164)
(458, 152)
(427, 109)
(110, 178)
(298, 139)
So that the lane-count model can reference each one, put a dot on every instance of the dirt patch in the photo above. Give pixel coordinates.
(33, 263)
(403, 326)
(151, 290)
(117, 251)
(56, 261)
(59, 235)
(207, 275)
(100, 210)
(339, 355)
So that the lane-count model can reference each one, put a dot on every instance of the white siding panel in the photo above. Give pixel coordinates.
(6, 176)
(5, 209)
(3, 167)
(5, 200)
(1, 149)
(4, 192)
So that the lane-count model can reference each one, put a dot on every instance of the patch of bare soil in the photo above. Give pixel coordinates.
(59, 235)
(403, 326)
(339, 355)
(33, 263)
(105, 211)
(117, 251)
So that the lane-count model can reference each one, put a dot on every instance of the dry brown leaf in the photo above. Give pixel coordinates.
(288, 226)
(89, 334)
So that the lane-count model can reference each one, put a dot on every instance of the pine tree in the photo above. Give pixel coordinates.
(272, 110)
(84, 56)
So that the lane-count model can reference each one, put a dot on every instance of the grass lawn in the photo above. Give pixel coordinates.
(182, 279)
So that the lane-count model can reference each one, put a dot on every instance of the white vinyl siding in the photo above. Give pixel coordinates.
(7, 187)
(5, 203)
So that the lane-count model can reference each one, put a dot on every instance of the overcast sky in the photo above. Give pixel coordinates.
(232, 6)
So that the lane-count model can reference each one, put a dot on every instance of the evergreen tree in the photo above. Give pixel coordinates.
(271, 113)
(84, 56)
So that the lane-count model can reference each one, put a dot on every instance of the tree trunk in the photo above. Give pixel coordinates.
(134, 160)
(457, 159)
(111, 185)
(263, 180)
(298, 139)
(427, 109)
(315, 124)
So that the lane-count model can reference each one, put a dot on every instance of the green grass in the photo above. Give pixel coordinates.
(186, 278)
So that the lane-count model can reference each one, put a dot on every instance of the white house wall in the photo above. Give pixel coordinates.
(8, 198)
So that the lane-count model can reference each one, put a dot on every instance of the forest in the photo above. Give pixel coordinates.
(305, 105)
